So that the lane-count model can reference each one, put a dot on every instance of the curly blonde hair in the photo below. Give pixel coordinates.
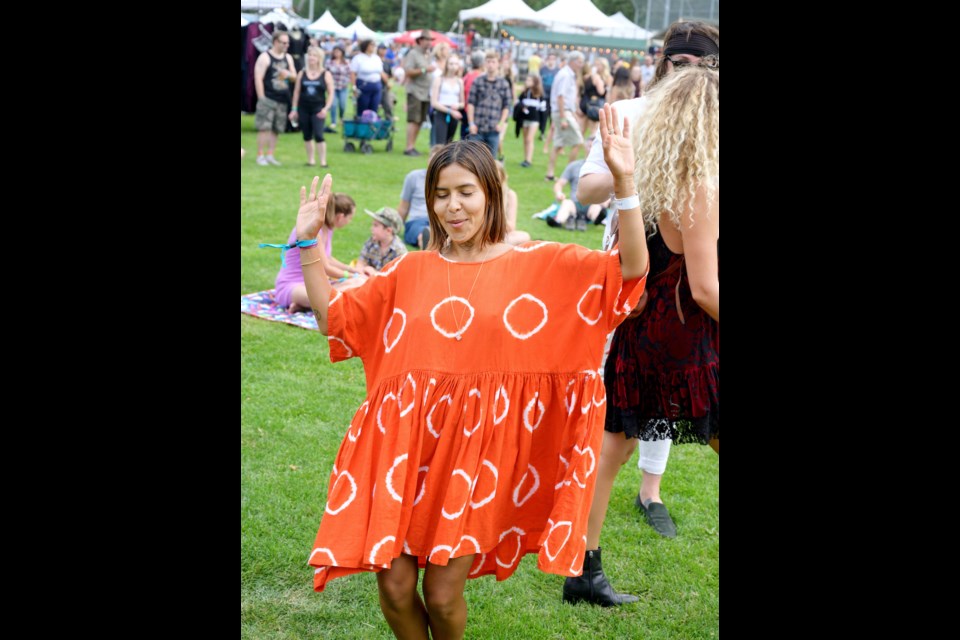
(678, 143)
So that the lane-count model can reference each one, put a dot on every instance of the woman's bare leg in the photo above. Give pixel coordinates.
(443, 594)
(399, 601)
(299, 301)
(616, 450)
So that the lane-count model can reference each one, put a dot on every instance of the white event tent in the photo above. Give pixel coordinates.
(325, 24)
(577, 13)
(357, 27)
(497, 11)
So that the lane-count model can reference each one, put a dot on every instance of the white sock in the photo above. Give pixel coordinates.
(653, 456)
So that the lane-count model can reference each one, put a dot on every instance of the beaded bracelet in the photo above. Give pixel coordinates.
(303, 244)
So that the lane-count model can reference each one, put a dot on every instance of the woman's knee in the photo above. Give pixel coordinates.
(397, 587)
(617, 449)
(442, 601)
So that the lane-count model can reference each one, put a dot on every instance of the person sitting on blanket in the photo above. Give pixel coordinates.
(290, 289)
(383, 245)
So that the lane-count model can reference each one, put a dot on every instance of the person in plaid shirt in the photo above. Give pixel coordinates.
(489, 105)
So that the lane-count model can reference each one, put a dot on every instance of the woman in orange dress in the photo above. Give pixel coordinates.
(479, 437)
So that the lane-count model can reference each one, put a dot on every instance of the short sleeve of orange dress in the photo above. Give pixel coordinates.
(484, 412)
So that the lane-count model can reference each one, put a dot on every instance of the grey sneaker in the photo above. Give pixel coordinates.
(273, 160)
(658, 517)
(262, 161)
(581, 225)
(570, 223)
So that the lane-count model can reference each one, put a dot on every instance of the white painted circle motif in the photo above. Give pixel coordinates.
(444, 332)
(506, 312)
(386, 330)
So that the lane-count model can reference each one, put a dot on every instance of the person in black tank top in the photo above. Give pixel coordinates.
(312, 99)
(273, 74)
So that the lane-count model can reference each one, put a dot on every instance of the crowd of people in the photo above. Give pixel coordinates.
(559, 97)
(463, 456)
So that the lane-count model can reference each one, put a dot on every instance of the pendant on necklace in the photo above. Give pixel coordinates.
(459, 338)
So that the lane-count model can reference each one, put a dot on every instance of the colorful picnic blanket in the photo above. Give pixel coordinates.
(262, 305)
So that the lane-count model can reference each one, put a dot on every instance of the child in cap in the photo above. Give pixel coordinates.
(383, 244)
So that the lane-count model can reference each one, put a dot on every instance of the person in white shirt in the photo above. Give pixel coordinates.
(563, 108)
(366, 74)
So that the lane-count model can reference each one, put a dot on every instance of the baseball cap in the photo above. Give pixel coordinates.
(388, 217)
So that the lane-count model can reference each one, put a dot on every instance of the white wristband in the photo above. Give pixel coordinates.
(625, 204)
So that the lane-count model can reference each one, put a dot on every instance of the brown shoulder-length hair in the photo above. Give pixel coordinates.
(476, 158)
(536, 90)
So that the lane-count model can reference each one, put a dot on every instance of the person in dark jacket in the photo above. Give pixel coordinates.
(530, 114)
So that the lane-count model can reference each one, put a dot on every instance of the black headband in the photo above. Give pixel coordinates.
(696, 45)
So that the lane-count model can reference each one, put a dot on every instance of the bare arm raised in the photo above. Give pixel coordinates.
(619, 156)
(312, 259)
(594, 188)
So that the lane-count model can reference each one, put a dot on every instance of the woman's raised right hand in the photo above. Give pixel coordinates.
(313, 208)
(617, 149)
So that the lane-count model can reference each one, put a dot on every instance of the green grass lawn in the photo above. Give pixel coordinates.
(296, 405)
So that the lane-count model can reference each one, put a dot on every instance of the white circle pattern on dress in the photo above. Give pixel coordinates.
(454, 516)
(546, 542)
(350, 499)
(403, 316)
(506, 405)
(396, 496)
(580, 304)
(443, 398)
(520, 532)
(376, 548)
(409, 407)
(506, 313)
(470, 432)
(444, 332)
(536, 485)
(488, 498)
(345, 346)
(329, 553)
(526, 413)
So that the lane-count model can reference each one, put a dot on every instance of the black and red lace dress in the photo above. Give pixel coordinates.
(663, 374)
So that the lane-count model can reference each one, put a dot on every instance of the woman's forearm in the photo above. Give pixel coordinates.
(313, 265)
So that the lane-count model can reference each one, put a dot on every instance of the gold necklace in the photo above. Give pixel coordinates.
(469, 295)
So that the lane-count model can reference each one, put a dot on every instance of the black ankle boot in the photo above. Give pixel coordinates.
(592, 586)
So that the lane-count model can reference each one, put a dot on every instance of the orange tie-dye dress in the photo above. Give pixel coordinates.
(487, 444)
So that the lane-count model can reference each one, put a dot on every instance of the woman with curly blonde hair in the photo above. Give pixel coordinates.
(662, 375)
(678, 149)
(686, 43)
